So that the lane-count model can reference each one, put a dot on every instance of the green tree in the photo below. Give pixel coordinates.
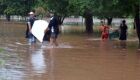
(59, 7)
(131, 8)
(40, 8)
(136, 7)
(3, 7)
(16, 7)
(65, 8)
(107, 9)
(83, 8)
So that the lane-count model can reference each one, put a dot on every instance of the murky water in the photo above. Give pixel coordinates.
(78, 57)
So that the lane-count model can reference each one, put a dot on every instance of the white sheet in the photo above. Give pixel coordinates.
(38, 29)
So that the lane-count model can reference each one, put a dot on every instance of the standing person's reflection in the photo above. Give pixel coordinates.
(49, 57)
(123, 34)
(51, 63)
(38, 61)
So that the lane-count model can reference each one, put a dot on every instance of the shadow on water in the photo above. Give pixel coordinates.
(78, 57)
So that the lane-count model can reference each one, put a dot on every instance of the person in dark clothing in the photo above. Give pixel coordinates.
(123, 31)
(29, 20)
(47, 36)
(53, 30)
(27, 31)
(123, 34)
(30, 23)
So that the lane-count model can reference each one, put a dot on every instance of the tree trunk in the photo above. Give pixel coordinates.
(109, 21)
(137, 21)
(89, 24)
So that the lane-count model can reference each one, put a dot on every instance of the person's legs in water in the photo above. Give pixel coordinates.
(55, 42)
(53, 39)
(123, 44)
(102, 36)
(32, 39)
(105, 36)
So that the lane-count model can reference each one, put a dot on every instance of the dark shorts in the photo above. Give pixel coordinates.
(31, 38)
(47, 36)
(123, 37)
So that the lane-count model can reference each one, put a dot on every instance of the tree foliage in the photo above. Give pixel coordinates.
(99, 8)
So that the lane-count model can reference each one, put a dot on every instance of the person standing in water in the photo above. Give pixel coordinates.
(31, 37)
(123, 34)
(53, 28)
(105, 31)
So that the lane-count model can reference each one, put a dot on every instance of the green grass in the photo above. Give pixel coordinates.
(1, 78)
(1, 61)
(1, 50)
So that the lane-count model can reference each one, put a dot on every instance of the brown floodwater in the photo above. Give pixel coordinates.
(78, 57)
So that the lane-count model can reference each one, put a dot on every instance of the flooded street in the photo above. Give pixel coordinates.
(78, 57)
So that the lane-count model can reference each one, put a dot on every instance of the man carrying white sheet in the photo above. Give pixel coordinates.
(31, 37)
